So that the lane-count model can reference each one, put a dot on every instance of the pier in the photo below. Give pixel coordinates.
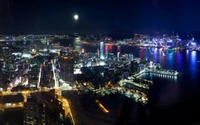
(137, 74)
(162, 72)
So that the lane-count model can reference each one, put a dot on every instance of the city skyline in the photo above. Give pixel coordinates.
(99, 62)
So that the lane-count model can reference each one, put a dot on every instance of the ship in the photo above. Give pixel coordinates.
(163, 53)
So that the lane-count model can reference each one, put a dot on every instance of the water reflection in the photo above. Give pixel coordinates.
(193, 63)
(179, 61)
(171, 60)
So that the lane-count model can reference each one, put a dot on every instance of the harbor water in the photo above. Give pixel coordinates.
(172, 100)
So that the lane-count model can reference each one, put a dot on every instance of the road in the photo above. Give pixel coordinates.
(25, 94)
(66, 107)
(11, 105)
(86, 111)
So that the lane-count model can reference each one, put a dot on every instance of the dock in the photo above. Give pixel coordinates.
(162, 72)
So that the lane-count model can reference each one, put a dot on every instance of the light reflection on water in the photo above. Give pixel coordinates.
(168, 91)
(184, 61)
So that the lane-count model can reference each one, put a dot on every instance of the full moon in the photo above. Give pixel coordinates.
(76, 17)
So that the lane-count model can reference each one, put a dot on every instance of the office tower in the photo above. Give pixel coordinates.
(77, 44)
(118, 48)
(30, 111)
(101, 50)
(85, 58)
(106, 49)
(118, 54)
(134, 67)
(131, 57)
(66, 68)
(98, 56)
(44, 109)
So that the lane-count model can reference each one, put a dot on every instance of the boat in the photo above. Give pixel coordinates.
(163, 54)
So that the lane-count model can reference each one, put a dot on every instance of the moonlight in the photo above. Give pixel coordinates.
(76, 17)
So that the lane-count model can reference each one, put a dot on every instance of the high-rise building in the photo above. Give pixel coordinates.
(66, 68)
(101, 50)
(106, 49)
(118, 54)
(77, 44)
(134, 67)
(118, 48)
(45, 109)
(131, 57)
(85, 58)
(30, 111)
(98, 55)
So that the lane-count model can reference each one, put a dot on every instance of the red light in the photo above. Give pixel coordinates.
(110, 48)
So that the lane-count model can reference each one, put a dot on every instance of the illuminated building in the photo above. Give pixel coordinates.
(106, 49)
(118, 48)
(77, 44)
(131, 57)
(85, 57)
(30, 111)
(66, 68)
(33, 76)
(118, 54)
(45, 109)
(98, 56)
(101, 50)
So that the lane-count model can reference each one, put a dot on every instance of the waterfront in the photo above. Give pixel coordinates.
(170, 100)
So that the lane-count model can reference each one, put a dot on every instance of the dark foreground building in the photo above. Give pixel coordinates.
(44, 109)
(66, 68)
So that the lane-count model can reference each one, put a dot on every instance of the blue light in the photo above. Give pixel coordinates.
(194, 44)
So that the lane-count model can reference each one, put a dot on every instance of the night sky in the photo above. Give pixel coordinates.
(56, 16)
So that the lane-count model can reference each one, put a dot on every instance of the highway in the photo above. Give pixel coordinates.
(54, 75)
(65, 103)
(101, 106)
(11, 105)
(66, 107)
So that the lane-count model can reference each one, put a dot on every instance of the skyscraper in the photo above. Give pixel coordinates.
(118, 54)
(106, 49)
(77, 44)
(45, 109)
(131, 57)
(101, 50)
(66, 68)
(30, 111)
(98, 53)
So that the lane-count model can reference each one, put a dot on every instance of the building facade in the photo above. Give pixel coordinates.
(66, 65)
